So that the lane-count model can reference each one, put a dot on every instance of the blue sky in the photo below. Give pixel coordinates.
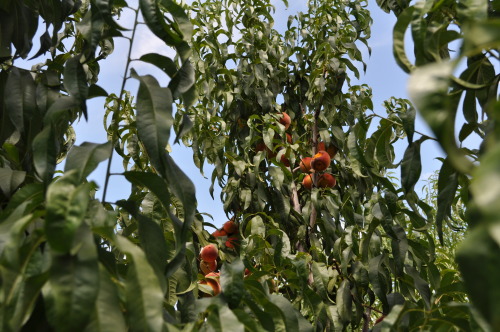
(383, 75)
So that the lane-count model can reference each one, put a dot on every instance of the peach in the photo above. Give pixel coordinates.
(285, 120)
(207, 267)
(289, 138)
(320, 161)
(230, 227)
(209, 253)
(232, 242)
(261, 146)
(212, 283)
(305, 165)
(331, 149)
(307, 182)
(327, 181)
(219, 233)
(213, 275)
(285, 160)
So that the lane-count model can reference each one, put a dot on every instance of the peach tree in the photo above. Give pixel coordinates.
(356, 251)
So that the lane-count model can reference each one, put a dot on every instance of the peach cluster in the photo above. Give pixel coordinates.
(318, 164)
(208, 266)
(229, 229)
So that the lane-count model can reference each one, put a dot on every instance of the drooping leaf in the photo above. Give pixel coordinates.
(154, 118)
(163, 62)
(86, 157)
(447, 187)
(73, 284)
(400, 28)
(428, 89)
(411, 166)
(144, 297)
(75, 82)
(45, 152)
(107, 315)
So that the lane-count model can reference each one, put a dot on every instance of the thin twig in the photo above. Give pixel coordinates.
(120, 99)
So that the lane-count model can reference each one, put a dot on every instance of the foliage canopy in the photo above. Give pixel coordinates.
(367, 253)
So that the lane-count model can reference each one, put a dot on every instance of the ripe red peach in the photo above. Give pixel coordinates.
(289, 138)
(285, 120)
(320, 161)
(331, 149)
(207, 267)
(219, 233)
(232, 242)
(230, 227)
(307, 182)
(305, 165)
(209, 253)
(285, 160)
(212, 283)
(327, 181)
(261, 146)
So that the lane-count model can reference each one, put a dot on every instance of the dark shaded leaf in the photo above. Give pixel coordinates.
(75, 82)
(10, 180)
(232, 282)
(447, 187)
(154, 118)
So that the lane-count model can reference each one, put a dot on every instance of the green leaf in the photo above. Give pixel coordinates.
(232, 282)
(73, 284)
(428, 89)
(481, 35)
(185, 127)
(163, 62)
(182, 80)
(344, 302)
(154, 118)
(447, 187)
(384, 149)
(66, 208)
(156, 23)
(485, 181)
(14, 99)
(107, 315)
(411, 166)
(153, 243)
(404, 20)
(408, 119)
(96, 91)
(479, 260)
(421, 285)
(91, 26)
(473, 10)
(75, 82)
(143, 294)
(45, 152)
(10, 180)
(184, 25)
(86, 157)
(378, 281)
